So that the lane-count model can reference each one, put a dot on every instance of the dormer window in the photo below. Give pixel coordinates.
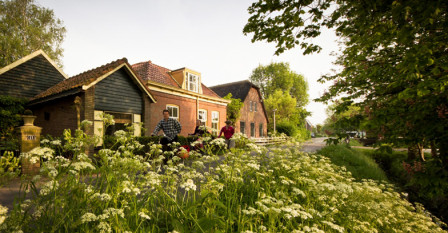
(193, 82)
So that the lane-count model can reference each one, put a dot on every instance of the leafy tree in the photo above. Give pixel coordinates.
(234, 108)
(394, 59)
(10, 110)
(342, 120)
(279, 76)
(26, 27)
(284, 104)
(286, 110)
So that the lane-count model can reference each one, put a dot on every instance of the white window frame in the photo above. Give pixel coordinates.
(195, 82)
(250, 108)
(255, 106)
(202, 115)
(215, 120)
(172, 106)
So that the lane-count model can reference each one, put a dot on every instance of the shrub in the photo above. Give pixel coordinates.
(9, 167)
(287, 128)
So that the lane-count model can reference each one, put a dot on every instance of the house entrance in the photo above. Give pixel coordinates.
(120, 120)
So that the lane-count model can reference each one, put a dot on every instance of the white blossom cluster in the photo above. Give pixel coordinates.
(280, 190)
(3, 212)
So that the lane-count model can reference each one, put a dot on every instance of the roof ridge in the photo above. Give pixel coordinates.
(118, 61)
(232, 83)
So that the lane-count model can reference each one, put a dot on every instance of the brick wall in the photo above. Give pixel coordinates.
(187, 112)
(249, 116)
(61, 114)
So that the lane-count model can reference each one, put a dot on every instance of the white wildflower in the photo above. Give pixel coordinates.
(143, 215)
(88, 217)
(47, 187)
(56, 142)
(104, 227)
(188, 185)
(3, 212)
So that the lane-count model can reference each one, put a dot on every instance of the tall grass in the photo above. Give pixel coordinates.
(360, 165)
(249, 190)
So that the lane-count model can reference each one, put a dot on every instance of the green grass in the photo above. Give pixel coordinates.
(360, 165)
(354, 142)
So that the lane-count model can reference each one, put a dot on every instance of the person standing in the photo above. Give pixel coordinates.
(171, 128)
(228, 132)
(198, 131)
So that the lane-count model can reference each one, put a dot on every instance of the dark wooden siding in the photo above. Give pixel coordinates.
(30, 78)
(118, 93)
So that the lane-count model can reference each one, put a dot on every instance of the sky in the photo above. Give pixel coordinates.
(203, 35)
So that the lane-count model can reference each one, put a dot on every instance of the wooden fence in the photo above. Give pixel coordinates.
(269, 140)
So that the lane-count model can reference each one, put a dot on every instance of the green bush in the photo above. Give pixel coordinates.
(10, 110)
(360, 165)
(425, 182)
(287, 128)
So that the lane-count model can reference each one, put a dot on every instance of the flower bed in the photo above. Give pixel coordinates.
(247, 190)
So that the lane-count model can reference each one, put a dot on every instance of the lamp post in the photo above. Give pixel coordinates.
(274, 119)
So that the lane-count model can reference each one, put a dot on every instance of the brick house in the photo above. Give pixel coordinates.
(62, 103)
(182, 93)
(253, 120)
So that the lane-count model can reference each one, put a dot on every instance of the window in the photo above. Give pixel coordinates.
(215, 123)
(250, 108)
(47, 116)
(255, 103)
(252, 129)
(202, 115)
(242, 127)
(260, 130)
(192, 82)
(174, 111)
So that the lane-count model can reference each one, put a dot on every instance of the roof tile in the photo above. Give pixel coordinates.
(152, 72)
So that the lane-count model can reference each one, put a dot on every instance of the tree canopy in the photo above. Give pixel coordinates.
(279, 76)
(285, 91)
(26, 27)
(234, 108)
(394, 58)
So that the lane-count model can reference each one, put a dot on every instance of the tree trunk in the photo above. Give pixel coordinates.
(433, 150)
(420, 151)
(413, 152)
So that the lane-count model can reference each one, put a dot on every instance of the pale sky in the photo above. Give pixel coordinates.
(203, 35)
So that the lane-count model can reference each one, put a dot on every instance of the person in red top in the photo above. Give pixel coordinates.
(228, 131)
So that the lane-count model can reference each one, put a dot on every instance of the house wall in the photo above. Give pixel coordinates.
(30, 78)
(118, 93)
(249, 116)
(187, 112)
(61, 113)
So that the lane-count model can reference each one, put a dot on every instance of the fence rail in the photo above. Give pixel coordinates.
(269, 140)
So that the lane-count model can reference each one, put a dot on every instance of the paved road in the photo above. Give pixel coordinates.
(313, 145)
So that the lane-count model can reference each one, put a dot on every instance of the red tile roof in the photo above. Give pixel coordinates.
(84, 78)
(152, 72)
(209, 92)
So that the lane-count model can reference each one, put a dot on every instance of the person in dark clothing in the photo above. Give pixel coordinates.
(198, 131)
(171, 128)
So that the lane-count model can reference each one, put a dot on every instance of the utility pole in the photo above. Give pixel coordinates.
(274, 119)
